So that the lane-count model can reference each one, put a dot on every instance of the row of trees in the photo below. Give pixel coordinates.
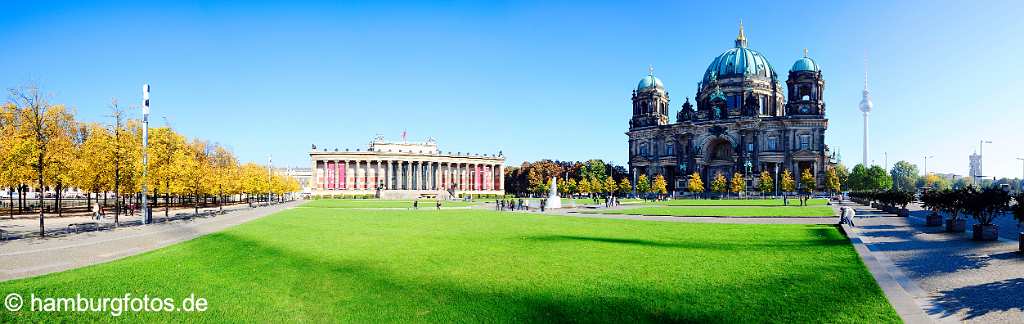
(44, 148)
(593, 177)
(765, 183)
(984, 205)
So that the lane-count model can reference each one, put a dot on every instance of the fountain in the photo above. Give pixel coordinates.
(553, 200)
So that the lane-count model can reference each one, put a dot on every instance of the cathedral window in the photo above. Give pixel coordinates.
(669, 149)
(805, 142)
(772, 141)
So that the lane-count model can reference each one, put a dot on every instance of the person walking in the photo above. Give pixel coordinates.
(416, 204)
(438, 204)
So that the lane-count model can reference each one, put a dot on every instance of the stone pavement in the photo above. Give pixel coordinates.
(36, 256)
(949, 276)
(28, 225)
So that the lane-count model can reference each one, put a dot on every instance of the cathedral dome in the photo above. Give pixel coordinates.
(649, 81)
(739, 61)
(805, 64)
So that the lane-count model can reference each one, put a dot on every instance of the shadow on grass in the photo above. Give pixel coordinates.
(978, 300)
(827, 235)
(246, 278)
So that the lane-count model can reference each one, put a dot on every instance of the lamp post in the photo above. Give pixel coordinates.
(926, 164)
(147, 217)
(776, 179)
(1021, 184)
(270, 177)
(981, 157)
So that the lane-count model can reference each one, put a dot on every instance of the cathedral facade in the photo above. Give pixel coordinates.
(740, 120)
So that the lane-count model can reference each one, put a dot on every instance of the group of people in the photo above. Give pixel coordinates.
(611, 201)
(416, 204)
(512, 205)
(803, 200)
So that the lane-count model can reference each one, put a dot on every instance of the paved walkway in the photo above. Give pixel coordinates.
(949, 276)
(35, 256)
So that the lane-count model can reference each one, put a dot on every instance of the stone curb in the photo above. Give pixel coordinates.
(892, 284)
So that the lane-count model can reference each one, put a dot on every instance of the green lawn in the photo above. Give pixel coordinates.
(372, 266)
(728, 202)
(377, 203)
(728, 211)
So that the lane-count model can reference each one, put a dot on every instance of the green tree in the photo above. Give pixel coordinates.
(737, 184)
(643, 185)
(660, 186)
(859, 180)
(787, 183)
(569, 187)
(765, 183)
(843, 173)
(596, 186)
(878, 179)
(594, 169)
(807, 181)
(904, 176)
(719, 184)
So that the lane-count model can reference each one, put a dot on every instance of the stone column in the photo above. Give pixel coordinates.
(501, 180)
(437, 175)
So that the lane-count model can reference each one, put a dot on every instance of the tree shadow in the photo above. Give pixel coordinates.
(982, 299)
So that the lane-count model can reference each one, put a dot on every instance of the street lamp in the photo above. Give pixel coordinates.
(981, 157)
(147, 217)
(926, 164)
(1021, 184)
(776, 179)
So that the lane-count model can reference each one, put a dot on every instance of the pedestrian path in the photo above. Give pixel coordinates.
(949, 276)
(36, 256)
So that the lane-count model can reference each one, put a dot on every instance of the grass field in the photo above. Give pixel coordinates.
(376, 203)
(346, 265)
(728, 202)
(726, 211)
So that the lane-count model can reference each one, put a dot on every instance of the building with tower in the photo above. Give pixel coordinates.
(740, 120)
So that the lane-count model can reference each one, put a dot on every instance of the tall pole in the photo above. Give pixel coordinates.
(981, 157)
(146, 216)
(926, 164)
(270, 177)
(865, 139)
(1020, 184)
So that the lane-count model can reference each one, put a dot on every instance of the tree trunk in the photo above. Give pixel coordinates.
(167, 200)
(39, 173)
(10, 198)
(88, 200)
(57, 200)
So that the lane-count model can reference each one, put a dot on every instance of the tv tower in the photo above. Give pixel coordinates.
(865, 107)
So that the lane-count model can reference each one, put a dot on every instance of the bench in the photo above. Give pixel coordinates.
(77, 227)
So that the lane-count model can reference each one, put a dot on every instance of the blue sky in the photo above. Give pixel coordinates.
(544, 79)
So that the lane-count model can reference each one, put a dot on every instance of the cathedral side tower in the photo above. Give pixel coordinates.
(650, 103)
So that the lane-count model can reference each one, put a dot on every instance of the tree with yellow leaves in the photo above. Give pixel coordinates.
(718, 183)
(660, 186)
(225, 173)
(765, 183)
(737, 184)
(45, 129)
(695, 184)
(787, 183)
(610, 186)
(166, 159)
(196, 169)
(92, 166)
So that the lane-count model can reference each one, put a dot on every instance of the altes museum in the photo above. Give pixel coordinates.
(739, 121)
(404, 170)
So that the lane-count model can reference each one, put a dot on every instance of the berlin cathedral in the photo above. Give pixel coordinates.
(740, 120)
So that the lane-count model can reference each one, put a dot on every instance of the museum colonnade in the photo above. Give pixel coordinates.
(408, 175)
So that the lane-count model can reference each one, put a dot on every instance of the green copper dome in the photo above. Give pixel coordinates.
(649, 81)
(805, 64)
(739, 61)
